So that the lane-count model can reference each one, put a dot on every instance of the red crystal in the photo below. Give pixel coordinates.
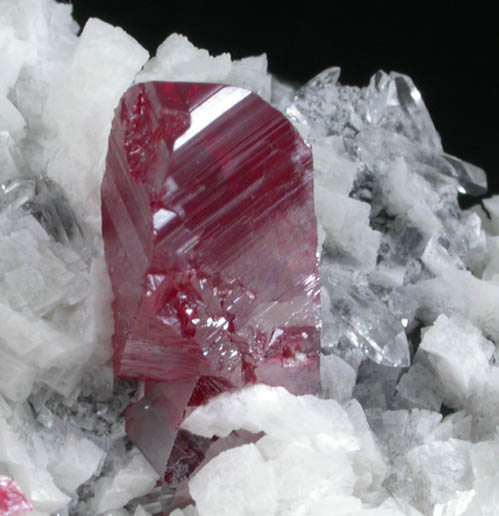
(210, 239)
(12, 501)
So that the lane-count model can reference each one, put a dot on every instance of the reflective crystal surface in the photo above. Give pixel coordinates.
(386, 198)
(47, 202)
(200, 180)
(211, 239)
(356, 313)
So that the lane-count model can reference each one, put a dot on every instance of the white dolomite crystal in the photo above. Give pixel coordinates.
(80, 107)
(177, 59)
(140, 511)
(492, 221)
(80, 459)
(337, 378)
(249, 489)
(409, 280)
(115, 490)
(460, 357)
(323, 459)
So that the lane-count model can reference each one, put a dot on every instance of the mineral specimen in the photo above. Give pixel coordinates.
(406, 276)
(211, 240)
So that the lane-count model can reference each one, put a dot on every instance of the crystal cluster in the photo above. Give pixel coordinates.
(405, 419)
(386, 198)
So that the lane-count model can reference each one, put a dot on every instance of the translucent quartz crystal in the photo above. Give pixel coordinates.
(48, 203)
(12, 501)
(210, 238)
(386, 198)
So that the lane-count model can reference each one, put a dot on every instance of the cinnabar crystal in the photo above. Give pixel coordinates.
(211, 243)
(12, 501)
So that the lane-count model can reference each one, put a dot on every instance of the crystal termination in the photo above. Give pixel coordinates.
(211, 243)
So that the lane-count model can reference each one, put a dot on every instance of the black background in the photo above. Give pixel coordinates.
(451, 54)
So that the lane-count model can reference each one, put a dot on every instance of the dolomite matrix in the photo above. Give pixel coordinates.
(405, 420)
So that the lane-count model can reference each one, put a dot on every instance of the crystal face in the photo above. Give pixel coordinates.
(48, 203)
(211, 240)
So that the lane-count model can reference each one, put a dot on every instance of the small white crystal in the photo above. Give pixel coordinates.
(437, 259)
(419, 388)
(399, 431)
(439, 469)
(98, 323)
(11, 119)
(5, 409)
(456, 506)
(346, 223)
(134, 480)
(13, 54)
(188, 511)
(12, 449)
(455, 426)
(368, 462)
(305, 472)
(248, 489)
(337, 378)
(485, 497)
(116, 512)
(459, 355)
(492, 207)
(251, 73)
(491, 271)
(335, 171)
(140, 511)
(408, 194)
(177, 59)
(459, 292)
(276, 412)
(39, 488)
(79, 460)
(17, 377)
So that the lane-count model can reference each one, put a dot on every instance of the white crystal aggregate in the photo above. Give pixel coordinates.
(409, 280)
(79, 115)
(116, 489)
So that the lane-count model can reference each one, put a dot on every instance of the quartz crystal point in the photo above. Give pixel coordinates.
(210, 239)
(358, 315)
(395, 218)
(48, 203)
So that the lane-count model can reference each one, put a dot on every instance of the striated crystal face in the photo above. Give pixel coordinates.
(210, 239)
